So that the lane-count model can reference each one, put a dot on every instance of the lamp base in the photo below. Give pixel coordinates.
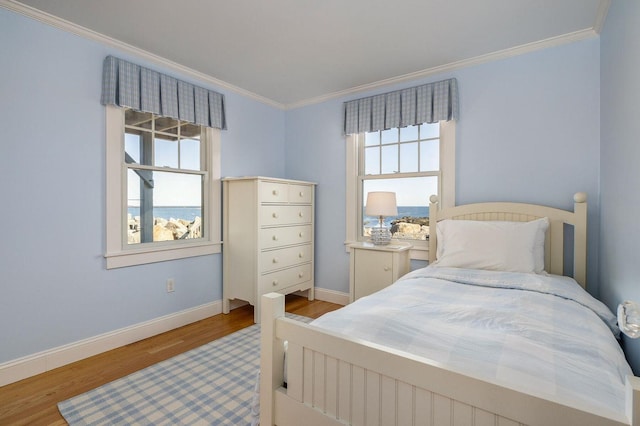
(380, 236)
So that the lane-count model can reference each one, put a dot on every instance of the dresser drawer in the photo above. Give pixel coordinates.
(282, 279)
(300, 194)
(272, 192)
(288, 235)
(285, 215)
(284, 258)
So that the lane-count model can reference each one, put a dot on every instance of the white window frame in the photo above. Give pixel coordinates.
(446, 183)
(118, 252)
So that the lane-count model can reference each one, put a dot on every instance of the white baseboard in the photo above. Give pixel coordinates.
(332, 296)
(31, 365)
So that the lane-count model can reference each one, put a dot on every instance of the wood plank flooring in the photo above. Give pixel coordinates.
(33, 401)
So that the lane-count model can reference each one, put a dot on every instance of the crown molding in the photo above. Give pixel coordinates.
(453, 66)
(65, 25)
(81, 31)
(603, 10)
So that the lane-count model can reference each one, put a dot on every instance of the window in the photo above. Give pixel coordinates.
(414, 162)
(162, 177)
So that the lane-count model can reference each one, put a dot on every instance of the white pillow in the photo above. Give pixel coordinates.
(493, 245)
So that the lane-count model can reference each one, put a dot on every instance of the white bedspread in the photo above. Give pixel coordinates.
(540, 334)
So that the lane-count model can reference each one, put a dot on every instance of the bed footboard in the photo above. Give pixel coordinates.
(333, 379)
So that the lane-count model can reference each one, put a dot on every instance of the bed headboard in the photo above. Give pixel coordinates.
(521, 212)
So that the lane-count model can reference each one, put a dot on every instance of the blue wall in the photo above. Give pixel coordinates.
(619, 158)
(528, 131)
(54, 288)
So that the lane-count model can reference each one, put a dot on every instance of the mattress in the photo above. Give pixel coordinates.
(540, 334)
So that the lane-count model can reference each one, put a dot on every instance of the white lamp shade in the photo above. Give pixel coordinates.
(381, 204)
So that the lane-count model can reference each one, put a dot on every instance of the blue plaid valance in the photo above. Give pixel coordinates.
(428, 103)
(129, 85)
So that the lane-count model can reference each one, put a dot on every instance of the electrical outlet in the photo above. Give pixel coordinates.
(170, 285)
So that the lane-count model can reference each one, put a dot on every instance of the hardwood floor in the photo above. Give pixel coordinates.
(33, 401)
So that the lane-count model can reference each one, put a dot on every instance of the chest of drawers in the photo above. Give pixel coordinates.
(268, 238)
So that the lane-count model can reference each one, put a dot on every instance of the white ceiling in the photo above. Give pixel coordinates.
(295, 52)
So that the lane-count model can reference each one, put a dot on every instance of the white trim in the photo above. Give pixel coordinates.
(31, 365)
(448, 163)
(603, 10)
(351, 187)
(332, 296)
(117, 254)
(446, 183)
(494, 56)
(81, 31)
(122, 259)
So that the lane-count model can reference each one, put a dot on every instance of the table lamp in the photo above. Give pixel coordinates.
(381, 204)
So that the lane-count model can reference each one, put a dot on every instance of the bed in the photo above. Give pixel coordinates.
(468, 340)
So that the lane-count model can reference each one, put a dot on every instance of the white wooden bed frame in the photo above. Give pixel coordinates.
(333, 379)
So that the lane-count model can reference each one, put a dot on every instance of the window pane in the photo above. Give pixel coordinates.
(409, 157)
(372, 161)
(389, 159)
(372, 138)
(429, 130)
(409, 133)
(132, 148)
(167, 125)
(165, 153)
(189, 130)
(389, 136)
(138, 119)
(430, 155)
(412, 195)
(174, 201)
(190, 154)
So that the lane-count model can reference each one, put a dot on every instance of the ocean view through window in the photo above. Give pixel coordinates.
(162, 188)
(165, 178)
(405, 161)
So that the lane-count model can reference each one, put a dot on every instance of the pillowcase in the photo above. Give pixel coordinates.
(492, 245)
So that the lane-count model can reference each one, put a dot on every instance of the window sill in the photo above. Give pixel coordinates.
(159, 254)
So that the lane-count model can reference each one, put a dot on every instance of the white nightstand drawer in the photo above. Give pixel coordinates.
(278, 237)
(285, 278)
(283, 258)
(300, 194)
(271, 192)
(285, 215)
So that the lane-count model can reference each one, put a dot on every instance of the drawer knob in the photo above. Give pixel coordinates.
(274, 215)
(300, 255)
(301, 194)
(275, 260)
(301, 234)
(387, 269)
(274, 283)
(300, 214)
(274, 238)
(274, 192)
(300, 274)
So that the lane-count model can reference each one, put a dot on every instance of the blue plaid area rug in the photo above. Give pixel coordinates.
(210, 385)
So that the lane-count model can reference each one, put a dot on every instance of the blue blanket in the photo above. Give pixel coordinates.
(540, 334)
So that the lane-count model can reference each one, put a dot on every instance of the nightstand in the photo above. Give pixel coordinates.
(373, 268)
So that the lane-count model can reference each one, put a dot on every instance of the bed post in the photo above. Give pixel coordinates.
(271, 355)
(633, 400)
(580, 238)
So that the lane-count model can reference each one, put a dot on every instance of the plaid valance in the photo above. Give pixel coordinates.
(428, 103)
(129, 85)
